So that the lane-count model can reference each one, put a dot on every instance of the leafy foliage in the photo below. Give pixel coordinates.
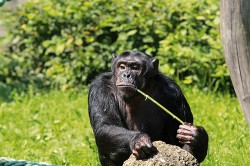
(192, 49)
(67, 43)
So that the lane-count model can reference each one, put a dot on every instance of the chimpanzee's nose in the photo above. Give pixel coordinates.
(127, 75)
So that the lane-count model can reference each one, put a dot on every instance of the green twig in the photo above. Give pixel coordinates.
(158, 104)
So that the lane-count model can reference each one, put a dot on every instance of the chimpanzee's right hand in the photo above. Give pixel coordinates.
(141, 146)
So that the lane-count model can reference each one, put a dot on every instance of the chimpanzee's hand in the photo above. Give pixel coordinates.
(141, 146)
(191, 135)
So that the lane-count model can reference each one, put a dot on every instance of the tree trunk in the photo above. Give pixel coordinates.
(235, 32)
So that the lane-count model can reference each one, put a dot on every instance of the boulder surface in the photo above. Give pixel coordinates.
(166, 155)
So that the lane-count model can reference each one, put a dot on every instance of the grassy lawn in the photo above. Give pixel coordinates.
(54, 128)
(229, 134)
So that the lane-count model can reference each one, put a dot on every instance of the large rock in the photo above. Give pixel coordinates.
(166, 155)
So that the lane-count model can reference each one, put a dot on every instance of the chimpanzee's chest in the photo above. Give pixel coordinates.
(149, 119)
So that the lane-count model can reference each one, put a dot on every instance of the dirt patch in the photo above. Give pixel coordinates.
(168, 155)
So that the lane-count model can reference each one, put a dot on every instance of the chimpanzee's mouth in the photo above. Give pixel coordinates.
(126, 85)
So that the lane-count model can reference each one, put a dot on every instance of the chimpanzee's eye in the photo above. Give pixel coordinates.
(135, 67)
(122, 66)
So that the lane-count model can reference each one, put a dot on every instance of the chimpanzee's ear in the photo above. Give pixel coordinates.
(155, 63)
(114, 56)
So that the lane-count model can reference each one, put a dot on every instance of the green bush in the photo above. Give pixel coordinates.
(192, 49)
(67, 43)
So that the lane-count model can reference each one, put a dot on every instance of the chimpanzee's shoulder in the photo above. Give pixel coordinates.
(103, 81)
(102, 78)
(161, 78)
(167, 84)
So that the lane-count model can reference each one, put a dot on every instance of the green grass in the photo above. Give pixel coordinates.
(229, 134)
(51, 128)
(54, 128)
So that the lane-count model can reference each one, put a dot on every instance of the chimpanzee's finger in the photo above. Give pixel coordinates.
(184, 132)
(186, 127)
(184, 137)
(134, 152)
(145, 149)
(141, 154)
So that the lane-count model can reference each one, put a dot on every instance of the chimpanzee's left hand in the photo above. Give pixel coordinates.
(190, 134)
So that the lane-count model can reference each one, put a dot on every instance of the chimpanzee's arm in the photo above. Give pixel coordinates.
(113, 144)
(194, 138)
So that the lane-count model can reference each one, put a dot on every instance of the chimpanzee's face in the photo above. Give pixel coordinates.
(130, 70)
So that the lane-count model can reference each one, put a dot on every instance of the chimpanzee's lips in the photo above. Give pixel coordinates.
(126, 85)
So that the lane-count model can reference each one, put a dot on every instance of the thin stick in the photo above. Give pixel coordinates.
(158, 104)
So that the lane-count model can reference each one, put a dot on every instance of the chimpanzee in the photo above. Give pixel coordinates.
(124, 122)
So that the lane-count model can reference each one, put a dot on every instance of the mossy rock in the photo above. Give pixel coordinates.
(167, 155)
